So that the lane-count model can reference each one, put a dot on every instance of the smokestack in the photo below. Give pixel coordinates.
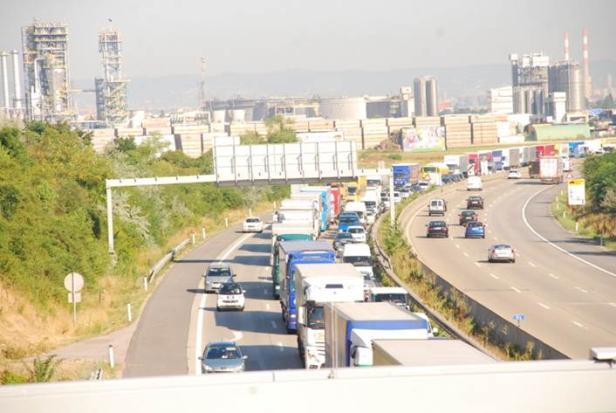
(566, 47)
(586, 65)
(16, 83)
(5, 80)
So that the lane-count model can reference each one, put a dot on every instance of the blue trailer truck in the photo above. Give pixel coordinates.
(292, 253)
(405, 174)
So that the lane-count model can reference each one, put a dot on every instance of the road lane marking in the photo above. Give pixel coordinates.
(580, 325)
(532, 264)
(477, 264)
(496, 277)
(237, 335)
(273, 323)
(612, 304)
(556, 277)
(554, 245)
(201, 310)
(465, 254)
(267, 306)
(457, 245)
(280, 346)
(544, 306)
(580, 289)
(495, 238)
(516, 290)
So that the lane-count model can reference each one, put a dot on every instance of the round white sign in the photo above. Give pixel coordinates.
(73, 282)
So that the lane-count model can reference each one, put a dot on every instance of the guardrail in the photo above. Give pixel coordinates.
(505, 331)
(167, 258)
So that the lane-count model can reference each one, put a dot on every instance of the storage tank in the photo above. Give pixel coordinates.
(220, 116)
(343, 108)
(238, 115)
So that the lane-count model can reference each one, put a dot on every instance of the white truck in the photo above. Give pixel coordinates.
(295, 216)
(432, 352)
(289, 231)
(359, 208)
(457, 164)
(550, 170)
(315, 285)
(372, 199)
(374, 181)
(350, 329)
(394, 295)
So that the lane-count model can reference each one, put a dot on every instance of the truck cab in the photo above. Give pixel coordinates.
(317, 285)
(359, 255)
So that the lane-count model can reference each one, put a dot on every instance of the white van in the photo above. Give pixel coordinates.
(437, 207)
(473, 183)
(359, 255)
(357, 207)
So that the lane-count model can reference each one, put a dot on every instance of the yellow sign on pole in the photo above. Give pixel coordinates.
(576, 190)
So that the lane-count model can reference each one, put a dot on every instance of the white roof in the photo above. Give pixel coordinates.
(372, 311)
(387, 290)
(353, 249)
(433, 352)
(328, 270)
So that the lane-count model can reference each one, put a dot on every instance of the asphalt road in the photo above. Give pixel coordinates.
(569, 304)
(164, 342)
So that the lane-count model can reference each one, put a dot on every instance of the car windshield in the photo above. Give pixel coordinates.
(438, 223)
(219, 272)
(474, 224)
(253, 220)
(502, 247)
(348, 220)
(343, 235)
(358, 261)
(223, 352)
(356, 230)
(390, 297)
(230, 289)
(474, 198)
(468, 213)
(316, 318)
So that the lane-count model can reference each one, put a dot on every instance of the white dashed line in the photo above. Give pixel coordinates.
(267, 306)
(580, 325)
(544, 306)
(273, 323)
(466, 254)
(494, 276)
(457, 245)
(532, 264)
(556, 277)
(478, 265)
(612, 304)
(580, 289)
(516, 290)
(280, 346)
(495, 238)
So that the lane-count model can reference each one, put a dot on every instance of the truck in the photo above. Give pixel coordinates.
(512, 159)
(307, 216)
(350, 329)
(291, 254)
(372, 199)
(326, 217)
(286, 232)
(359, 208)
(498, 159)
(315, 286)
(374, 181)
(336, 201)
(529, 154)
(575, 149)
(550, 170)
(431, 352)
(457, 164)
(473, 168)
(486, 162)
(405, 174)
(545, 150)
(433, 173)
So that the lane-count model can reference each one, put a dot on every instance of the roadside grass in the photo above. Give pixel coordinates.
(26, 331)
(568, 216)
(452, 307)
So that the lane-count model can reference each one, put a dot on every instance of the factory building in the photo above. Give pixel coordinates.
(529, 75)
(426, 96)
(565, 77)
(111, 105)
(343, 108)
(45, 60)
(501, 100)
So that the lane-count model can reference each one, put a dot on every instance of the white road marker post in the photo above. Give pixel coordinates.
(145, 283)
(226, 222)
(203, 233)
(193, 238)
(111, 356)
(129, 313)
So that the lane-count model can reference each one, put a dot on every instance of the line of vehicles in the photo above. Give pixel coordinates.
(321, 264)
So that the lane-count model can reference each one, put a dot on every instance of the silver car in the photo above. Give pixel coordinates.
(217, 275)
(502, 253)
(222, 357)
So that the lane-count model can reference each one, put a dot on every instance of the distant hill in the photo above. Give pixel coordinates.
(169, 92)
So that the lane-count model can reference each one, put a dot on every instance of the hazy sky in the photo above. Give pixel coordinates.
(168, 37)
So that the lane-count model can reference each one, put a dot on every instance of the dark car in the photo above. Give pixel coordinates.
(341, 239)
(467, 216)
(437, 229)
(475, 229)
(474, 202)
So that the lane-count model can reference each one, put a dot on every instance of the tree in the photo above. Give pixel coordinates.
(42, 370)
(279, 130)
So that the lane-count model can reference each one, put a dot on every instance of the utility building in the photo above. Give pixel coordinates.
(111, 106)
(45, 60)
(426, 96)
(529, 75)
(565, 77)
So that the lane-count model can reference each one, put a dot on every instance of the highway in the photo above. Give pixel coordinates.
(166, 337)
(566, 288)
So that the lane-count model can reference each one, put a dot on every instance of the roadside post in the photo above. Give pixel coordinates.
(518, 318)
(73, 282)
